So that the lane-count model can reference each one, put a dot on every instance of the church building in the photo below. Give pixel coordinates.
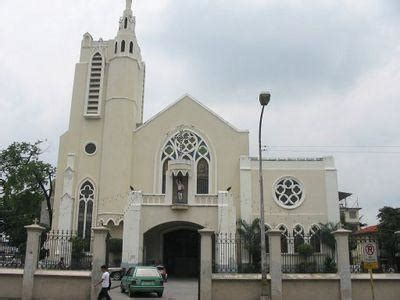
(154, 183)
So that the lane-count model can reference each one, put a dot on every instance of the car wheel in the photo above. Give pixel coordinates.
(159, 294)
(116, 276)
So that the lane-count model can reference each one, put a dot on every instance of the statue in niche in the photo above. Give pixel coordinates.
(180, 189)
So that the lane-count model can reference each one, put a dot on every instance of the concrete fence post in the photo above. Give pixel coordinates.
(205, 264)
(275, 263)
(99, 257)
(343, 262)
(31, 259)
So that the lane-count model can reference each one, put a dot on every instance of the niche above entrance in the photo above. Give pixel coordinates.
(179, 182)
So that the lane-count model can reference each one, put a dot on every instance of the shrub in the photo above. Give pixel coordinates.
(305, 250)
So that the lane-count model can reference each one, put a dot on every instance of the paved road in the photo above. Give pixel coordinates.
(174, 289)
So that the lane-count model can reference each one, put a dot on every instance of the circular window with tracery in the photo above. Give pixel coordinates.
(288, 192)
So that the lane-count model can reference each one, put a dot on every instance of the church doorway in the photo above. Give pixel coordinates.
(176, 245)
(182, 253)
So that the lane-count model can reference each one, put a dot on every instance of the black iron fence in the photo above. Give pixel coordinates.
(233, 253)
(11, 257)
(361, 246)
(64, 250)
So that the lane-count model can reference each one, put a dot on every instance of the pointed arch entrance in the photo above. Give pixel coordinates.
(176, 245)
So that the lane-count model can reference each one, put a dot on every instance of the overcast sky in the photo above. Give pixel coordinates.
(333, 68)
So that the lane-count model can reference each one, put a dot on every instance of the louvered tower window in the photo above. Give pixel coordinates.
(96, 70)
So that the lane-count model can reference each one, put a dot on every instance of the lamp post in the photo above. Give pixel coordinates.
(264, 100)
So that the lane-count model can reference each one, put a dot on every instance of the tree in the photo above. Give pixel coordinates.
(389, 223)
(251, 234)
(326, 235)
(25, 181)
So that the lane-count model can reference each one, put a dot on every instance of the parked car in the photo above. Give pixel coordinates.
(116, 273)
(163, 271)
(142, 280)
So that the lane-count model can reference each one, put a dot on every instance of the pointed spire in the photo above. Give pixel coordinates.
(128, 4)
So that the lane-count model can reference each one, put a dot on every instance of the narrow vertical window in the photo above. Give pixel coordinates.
(95, 79)
(86, 198)
(315, 239)
(164, 175)
(202, 176)
(284, 239)
(116, 47)
(123, 46)
(126, 23)
(298, 236)
(131, 47)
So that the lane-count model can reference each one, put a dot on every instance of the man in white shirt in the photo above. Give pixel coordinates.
(105, 284)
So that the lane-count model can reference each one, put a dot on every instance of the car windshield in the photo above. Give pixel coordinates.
(147, 272)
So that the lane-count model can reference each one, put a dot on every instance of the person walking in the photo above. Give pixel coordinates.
(105, 284)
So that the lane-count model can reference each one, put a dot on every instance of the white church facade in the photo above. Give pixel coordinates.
(155, 183)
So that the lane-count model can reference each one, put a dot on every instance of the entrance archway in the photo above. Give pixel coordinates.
(181, 253)
(176, 245)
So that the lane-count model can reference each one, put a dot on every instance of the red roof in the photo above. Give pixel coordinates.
(368, 229)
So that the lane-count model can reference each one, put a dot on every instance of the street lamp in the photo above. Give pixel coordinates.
(264, 100)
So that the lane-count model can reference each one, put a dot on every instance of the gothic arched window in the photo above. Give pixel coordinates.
(123, 46)
(186, 144)
(298, 236)
(315, 238)
(95, 81)
(131, 47)
(85, 212)
(284, 238)
(202, 176)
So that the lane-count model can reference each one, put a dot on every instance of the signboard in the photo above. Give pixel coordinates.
(370, 255)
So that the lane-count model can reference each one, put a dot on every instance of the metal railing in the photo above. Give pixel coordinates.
(64, 250)
(233, 253)
(11, 257)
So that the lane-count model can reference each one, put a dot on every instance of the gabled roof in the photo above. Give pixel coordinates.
(182, 98)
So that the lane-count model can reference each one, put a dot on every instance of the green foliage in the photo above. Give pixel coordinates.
(329, 265)
(115, 245)
(251, 235)
(25, 181)
(326, 235)
(305, 250)
(389, 223)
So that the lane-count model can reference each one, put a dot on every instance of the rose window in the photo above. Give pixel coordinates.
(288, 192)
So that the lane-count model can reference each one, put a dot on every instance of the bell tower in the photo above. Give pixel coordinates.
(123, 110)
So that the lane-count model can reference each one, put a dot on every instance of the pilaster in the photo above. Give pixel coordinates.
(132, 238)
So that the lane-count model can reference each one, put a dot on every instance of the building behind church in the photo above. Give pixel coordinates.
(155, 183)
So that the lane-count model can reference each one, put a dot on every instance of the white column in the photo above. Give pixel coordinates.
(67, 200)
(331, 188)
(226, 258)
(245, 189)
(132, 240)
(343, 263)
